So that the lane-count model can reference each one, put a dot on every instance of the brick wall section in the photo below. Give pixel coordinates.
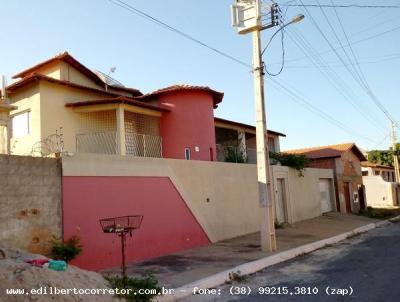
(30, 202)
(323, 163)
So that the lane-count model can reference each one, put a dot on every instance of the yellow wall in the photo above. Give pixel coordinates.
(222, 196)
(56, 115)
(27, 99)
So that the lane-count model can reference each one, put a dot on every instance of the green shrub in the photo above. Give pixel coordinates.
(148, 282)
(66, 250)
(234, 155)
(295, 161)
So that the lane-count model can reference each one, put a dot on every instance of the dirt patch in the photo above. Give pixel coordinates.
(15, 273)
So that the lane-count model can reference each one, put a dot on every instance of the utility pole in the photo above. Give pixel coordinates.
(395, 155)
(242, 12)
(268, 237)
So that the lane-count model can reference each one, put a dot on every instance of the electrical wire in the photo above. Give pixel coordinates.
(317, 111)
(175, 30)
(341, 6)
(366, 88)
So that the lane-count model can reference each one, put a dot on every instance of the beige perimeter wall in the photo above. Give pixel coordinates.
(380, 193)
(222, 196)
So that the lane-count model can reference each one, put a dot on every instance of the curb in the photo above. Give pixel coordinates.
(257, 265)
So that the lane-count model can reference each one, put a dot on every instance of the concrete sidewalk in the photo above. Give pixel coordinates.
(178, 269)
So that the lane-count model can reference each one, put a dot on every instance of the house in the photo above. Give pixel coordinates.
(381, 188)
(4, 124)
(63, 106)
(345, 160)
(240, 140)
(371, 169)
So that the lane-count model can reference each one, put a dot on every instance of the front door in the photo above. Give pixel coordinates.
(347, 197)
(361, 196)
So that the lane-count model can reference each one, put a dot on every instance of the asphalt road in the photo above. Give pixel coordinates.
(368, 265)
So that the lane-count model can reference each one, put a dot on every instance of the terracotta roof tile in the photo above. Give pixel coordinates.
(65, 56)
(217, 96)
(330, 151)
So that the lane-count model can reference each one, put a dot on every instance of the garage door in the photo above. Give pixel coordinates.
(325, 195)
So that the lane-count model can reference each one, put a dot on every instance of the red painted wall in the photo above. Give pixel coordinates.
(168, 225)
(190, 123)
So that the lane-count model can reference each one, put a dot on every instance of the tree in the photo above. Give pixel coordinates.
(382, 157)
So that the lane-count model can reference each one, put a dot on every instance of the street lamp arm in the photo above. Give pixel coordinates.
(296, 19)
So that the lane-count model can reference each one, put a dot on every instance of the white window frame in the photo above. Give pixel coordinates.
(28, 124)
(188, 155)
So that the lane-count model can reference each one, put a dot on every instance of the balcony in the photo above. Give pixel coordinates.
(135, 144)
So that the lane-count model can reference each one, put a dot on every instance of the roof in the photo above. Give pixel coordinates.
(66, 57)
(374, 165)
(330, 151)
(118, 100)
(34, 77)
(217, 96)
(246, 126)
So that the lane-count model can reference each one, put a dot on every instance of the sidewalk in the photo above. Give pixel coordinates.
(178, 269)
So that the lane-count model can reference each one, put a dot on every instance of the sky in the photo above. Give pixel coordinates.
(148, 57)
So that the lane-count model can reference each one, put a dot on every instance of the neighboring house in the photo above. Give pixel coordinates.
(345, 160)
(240, 139)
(381, 189)
(4, 125)
(371, 169)
(64, 106)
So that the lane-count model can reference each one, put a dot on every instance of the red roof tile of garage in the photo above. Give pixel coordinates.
(330, 151)
(217, 96)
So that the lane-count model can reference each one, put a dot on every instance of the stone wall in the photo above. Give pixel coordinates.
(30, 202)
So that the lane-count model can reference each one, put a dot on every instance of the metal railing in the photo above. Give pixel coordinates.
(141, 145)
(100, 142)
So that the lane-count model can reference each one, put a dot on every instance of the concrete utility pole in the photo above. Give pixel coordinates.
(395, 155)
(268, 237)
(246, 15)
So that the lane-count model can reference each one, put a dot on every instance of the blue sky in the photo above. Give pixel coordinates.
(148, 57)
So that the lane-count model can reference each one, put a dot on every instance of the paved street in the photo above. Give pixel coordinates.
(369, 264)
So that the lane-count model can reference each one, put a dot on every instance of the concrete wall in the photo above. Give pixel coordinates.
(222, 197)
(380, 193)
(30, 202)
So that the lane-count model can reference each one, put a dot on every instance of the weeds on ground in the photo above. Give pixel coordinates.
(236, 277)
(148, 285)
(379, 213)
(66, 250)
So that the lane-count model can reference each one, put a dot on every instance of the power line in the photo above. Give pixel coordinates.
(341, 6)
(364, 86)
(333, 78)
(175, 30)
(150, 18)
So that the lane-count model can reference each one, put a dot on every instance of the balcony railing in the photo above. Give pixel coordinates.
(141, 145)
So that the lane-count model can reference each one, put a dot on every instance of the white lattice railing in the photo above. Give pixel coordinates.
(100, 142)
(141, 145)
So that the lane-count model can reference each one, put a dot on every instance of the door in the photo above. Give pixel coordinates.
(347, 198)
(280, 201)
(325, 195)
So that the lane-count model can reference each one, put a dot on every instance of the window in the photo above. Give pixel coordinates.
(187, 153)
(271, 144)
(21, 124)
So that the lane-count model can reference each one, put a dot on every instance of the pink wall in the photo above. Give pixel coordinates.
(190, 123)
(168, 224)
